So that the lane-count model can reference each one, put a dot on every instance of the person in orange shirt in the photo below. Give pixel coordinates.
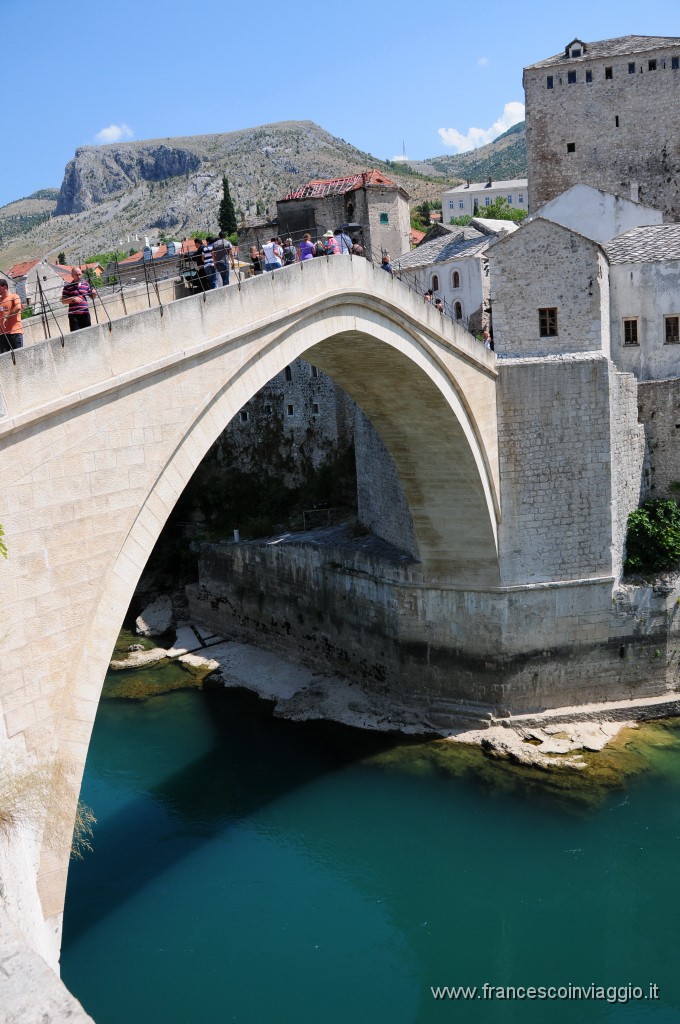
(11, 333)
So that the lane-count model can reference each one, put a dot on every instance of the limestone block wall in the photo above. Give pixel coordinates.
(544, 265)
(431, 647)
(629, 459)
(556, 464)
(659, 410)
(647, 292)
(623, 128)
(381, 504)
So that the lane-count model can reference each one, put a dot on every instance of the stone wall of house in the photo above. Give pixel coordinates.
(659, 411)
(291, 426)
(647, 292)
(623, 128)
(546, 266)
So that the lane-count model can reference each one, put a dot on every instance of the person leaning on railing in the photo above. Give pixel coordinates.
(11, 331)
(75, 296)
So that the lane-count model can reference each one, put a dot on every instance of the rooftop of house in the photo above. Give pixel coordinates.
(618, 47)
(464, 243)
(158, 253)
(21, 269)
(484, 186)
(339, 186)
(654, 243)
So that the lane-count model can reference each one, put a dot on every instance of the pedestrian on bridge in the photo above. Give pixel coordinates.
(11, 332)
(75, 296)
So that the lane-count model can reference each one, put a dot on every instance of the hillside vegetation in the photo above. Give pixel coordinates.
(113, 195)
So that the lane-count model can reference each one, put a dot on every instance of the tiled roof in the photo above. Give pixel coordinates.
(188, 246)
(447, 247)
(21, 269)
(338, 186)
(651, 244)
(482, 186)
(618, 47)
(416, 236)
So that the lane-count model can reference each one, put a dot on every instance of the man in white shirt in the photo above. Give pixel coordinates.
(273, 255)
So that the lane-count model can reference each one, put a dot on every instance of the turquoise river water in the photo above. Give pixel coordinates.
(253, 870)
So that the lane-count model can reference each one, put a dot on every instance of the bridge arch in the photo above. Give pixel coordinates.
(109, 431)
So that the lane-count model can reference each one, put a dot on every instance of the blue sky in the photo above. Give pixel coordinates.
(377, 75)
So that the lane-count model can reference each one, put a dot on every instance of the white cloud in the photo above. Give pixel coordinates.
(512, 113)
(482, 61)
(114, 133)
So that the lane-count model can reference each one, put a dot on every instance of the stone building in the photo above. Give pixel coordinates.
(369, 198)
(454, 266)
(596, 214)
(606, 114)
(467, 199)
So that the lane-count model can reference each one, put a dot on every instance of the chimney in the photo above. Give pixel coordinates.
(635, 191)
(489, 183)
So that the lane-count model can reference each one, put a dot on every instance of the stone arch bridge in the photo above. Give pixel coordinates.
(99, 437)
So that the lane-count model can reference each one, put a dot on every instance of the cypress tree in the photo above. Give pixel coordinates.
(226, 216)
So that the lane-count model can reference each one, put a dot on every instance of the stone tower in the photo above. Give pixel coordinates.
(607, 114)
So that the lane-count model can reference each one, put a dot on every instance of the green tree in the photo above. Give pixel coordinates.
(500, 209)
(653, 540)
(226, 216)
(61, 259)
(3, 546)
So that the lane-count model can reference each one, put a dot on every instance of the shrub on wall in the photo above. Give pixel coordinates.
(653, 540)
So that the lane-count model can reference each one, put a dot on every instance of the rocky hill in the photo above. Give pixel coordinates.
(503, 159)
(112, 194)
(23, 214)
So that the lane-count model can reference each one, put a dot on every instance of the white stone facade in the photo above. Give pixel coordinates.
(467, 199)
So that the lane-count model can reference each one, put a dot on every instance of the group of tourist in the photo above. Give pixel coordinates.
(213, 259)
(277, 253)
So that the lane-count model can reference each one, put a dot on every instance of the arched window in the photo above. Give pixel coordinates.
(455, 281)
(435, 283)
(289, 373)
(458, 311)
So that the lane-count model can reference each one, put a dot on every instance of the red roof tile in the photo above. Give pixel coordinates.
(21, 269)
(338, 186)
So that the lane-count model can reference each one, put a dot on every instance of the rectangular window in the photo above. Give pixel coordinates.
(631, 67)
(315, 408)
(384, 219)
(487, 201)
(589, 76)
(547, 322)
(651, 65)
(461, 204)
(520, 198)
(452, 204)
(630, 331)
(268, 410)
(290, 410)
(571, 147)
(244, 416)
(608, 72)
(571, 77)
(576, 52)
(550, 81)
(672, 330)
(509, 200)
(675, 63)
(314, 370)
(616, 120)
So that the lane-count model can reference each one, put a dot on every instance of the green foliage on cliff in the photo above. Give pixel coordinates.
(3, 546)
(653, 540)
